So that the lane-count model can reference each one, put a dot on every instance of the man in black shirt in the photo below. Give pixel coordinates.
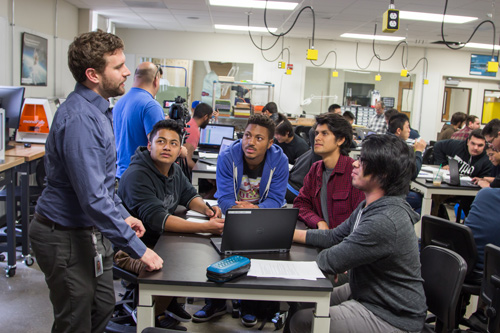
(293, 145)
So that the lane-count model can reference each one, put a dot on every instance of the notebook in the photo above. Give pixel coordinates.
(212, 135)
(259, 230)
(455, 178)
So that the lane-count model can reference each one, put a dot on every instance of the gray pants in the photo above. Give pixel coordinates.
(346, 316)
(81, 302)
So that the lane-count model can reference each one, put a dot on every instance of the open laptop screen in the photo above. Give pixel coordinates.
(212, 135)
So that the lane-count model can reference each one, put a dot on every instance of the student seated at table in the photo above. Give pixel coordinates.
(327, 197)
(292, 144)
(493, 177)
(151, 189)
(251, 173)
(377, 243)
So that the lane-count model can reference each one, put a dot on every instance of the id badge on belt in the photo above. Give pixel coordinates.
(98, 257)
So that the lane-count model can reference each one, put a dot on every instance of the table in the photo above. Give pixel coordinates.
(186, 257)
(30, 158)
(428, 189)
(10, 207)
(202, 170)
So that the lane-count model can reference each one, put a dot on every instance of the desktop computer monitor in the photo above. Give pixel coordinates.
(11, 100)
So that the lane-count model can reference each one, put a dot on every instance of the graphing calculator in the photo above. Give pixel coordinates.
(228, 269)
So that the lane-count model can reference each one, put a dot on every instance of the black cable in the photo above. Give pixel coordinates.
(426, 65)
(448, 44)
(357, 64)
(279, 55)
(293, 24)
(393, 52)
(251, 38)
(326, 58)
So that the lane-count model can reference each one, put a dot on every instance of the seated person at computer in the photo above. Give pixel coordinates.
(151, 189)
(457, 121)
(494, 158)
(292, 144)
(201, 118)
(335, 108)
(349, 116)
(491, 133)
(328, 197)
(271, 110)
(470, 154)
(378, 245)
(251, 173)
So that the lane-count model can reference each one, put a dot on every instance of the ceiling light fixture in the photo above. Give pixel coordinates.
(481, 46)
(255, 4)
(242, 28)
(418, 16)
(376, 37)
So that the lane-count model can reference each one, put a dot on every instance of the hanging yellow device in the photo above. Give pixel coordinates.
(312, 54)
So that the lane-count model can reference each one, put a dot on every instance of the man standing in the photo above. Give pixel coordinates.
(78, 215)
(472, 123)
(377, 243)
(378, 123)
(135, 114)
(201, 117)
(470, 154)
(251, 173)
(327, 197)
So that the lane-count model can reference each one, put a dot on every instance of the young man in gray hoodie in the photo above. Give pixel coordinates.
(377, 244)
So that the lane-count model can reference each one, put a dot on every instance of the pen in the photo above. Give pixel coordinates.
(208, 205)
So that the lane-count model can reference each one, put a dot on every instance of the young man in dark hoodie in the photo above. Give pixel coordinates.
(377, 243)
(152, 187)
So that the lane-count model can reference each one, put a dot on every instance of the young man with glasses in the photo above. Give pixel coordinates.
(490, 132)
(135, 114)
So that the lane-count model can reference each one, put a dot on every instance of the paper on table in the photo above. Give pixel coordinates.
(197, 220)
(193, 213)
(299, 270)
(208, 155)
(211, 202)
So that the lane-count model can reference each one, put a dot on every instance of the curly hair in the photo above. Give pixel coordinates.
(88, 51)
(264, 121)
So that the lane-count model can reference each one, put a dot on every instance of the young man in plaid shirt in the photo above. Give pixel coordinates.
(378, 124)
(328, 198)
(472, 123)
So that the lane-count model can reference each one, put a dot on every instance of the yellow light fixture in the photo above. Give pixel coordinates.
(312, 54)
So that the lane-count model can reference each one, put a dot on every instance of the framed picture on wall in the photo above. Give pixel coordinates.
(33, 60)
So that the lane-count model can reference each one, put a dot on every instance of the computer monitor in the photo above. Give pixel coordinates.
(212, 135)
(11, 99)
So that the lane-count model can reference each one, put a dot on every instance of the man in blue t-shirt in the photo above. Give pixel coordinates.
(135, 114)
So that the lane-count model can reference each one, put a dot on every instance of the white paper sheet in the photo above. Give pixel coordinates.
(298, 270)
(208, 155)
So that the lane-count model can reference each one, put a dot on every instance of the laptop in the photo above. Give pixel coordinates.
(257, 230)
(363, 132)
(226, 142)
(455, 178)
(212, 135)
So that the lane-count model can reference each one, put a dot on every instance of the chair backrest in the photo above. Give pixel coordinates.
(490, 288)
(428, 157)
(450, 235)
(443, 272)
(303, 132)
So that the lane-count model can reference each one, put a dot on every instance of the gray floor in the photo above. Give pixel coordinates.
(25, 306)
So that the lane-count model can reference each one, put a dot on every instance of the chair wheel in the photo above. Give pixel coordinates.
(2, 257)
(10, 272)
(28, 261)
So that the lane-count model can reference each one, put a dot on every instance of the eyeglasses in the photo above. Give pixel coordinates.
(158, 70)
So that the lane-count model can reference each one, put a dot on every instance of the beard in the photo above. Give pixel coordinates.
(111, 89)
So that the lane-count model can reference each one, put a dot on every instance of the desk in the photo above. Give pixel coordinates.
(202, 170)
(30, 158)
(186, 257)
(10, 207)
(428, 190)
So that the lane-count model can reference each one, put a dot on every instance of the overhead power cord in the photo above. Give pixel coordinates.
(357, 64)
(326, 58)
(449, 45)
(403, 62)
(251, 38)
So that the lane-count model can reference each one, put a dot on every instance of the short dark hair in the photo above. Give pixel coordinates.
(492, 128)
(264, 121)
(270, 107)
(457, 118)
(348, 115)
(284, 126)
(201, 110)
(88, 51)
(477, 134)
(397, 121)
(471, 119)
(390, 161)
(339, 126)
(389, 113)
(332, 107)
(168, 124)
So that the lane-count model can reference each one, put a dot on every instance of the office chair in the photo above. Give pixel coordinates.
(443, 272)
(490, 289)
(303, 132)
(459, 239)
(122, 319)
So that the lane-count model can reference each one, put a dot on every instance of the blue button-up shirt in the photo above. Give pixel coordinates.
(80, 163)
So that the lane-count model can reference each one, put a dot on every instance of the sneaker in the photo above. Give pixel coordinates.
(176, 311)
(209, 311)
(248, 320)
(168, 322)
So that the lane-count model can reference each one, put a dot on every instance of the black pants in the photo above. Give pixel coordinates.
(81, 302)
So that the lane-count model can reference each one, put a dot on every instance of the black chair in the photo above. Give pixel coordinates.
(303, 132)
(428, 157)
(443, 272)
(457, 238)
(490, 291)
(122, 319)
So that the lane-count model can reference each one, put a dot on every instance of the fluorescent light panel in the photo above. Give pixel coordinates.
(376, 37)
(417, 16)
(255, 4)
(482, 46)
(242, 28)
